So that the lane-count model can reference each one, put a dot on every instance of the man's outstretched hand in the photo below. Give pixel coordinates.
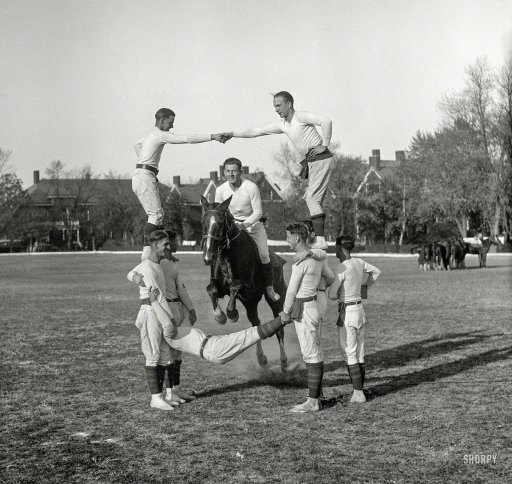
(222, 137)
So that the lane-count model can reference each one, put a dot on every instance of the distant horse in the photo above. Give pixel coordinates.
(483, 249)
(458, 252)
(442, 255)
(236, 271)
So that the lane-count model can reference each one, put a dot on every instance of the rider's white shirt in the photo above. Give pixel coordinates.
(246, 202)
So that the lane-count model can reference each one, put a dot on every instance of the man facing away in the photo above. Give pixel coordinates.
(246, 208)
(300, 127)
(346, 289)
(149, 150)
(300, 306)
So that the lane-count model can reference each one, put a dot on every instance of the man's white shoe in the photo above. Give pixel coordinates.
(158, 402)
(173, 398)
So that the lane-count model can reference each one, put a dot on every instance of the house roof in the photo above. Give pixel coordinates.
(89, 190)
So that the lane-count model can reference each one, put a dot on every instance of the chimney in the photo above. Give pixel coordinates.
(176, 180)
(36, 177)
(400, 155)
(374, 161)
(213, 177)
(221, 172)
(376, 153)
(245, 170)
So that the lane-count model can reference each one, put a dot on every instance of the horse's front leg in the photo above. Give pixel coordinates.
(277, 307)
(213, 292)
(252, 316)
(231, 309)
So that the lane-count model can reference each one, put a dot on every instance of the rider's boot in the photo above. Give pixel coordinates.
(267, 278)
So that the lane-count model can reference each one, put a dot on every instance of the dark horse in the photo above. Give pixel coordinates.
(236, 271)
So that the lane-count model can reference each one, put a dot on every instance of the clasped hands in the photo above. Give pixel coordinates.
(222, 137)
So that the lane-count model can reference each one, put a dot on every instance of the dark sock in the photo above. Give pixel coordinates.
(160, 373)
(319, 224)
(355, 375)
(315, 377)
(170, 374)
(267, 274)
(176, 373)
(362, 368)
(152, 379)
(268, 329)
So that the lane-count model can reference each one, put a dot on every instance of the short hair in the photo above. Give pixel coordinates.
(285, 95)
(171, 234)
(309, 226)
(299, 229)
(345, 242)
(156, 236)
(163, 113)
(233, 161)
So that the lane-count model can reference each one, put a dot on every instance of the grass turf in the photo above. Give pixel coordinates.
(76, 406)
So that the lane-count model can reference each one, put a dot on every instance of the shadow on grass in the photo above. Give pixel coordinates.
(431, 374)
(403, 354)
(385, 359)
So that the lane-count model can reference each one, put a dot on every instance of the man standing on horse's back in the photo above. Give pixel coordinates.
(245, 206)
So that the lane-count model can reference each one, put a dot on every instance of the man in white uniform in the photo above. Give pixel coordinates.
(177, 296)
(300, 306)
(300, 127)
(217, 349)
(346, 289)
(149, 150)
(245, 206)
(154, 333)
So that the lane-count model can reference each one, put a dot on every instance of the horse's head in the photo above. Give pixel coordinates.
(216, 223)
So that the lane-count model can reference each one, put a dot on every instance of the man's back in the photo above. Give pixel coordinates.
(351, 273)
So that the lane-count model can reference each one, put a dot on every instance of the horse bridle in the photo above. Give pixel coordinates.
(217, 238)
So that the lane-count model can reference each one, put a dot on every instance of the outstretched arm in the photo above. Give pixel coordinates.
(273, 128)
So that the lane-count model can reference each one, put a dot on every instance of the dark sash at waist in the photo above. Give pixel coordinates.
(146, 301)
(310, 158)
(298, 307)
(203, 346)
(147, 167)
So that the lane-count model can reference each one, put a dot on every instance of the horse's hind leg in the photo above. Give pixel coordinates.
(213, 292)
(231, 310)
(252, 315)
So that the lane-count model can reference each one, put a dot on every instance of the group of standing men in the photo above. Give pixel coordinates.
(164, 297)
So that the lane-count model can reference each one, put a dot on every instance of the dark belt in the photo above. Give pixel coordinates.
(304, 172)
(147, 167)
(203, 345)
(321, 290)
(147, 301)
(298, 307)
(341, 311)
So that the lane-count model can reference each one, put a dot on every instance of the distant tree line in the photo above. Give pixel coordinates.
(461, 172)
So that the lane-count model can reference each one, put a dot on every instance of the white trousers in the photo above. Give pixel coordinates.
(351, 335)
(318, 181)
(258, 233)
(153, 345)
(308, 333)
(145, 186)
(223, 348)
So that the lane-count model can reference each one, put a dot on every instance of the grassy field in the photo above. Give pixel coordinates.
(75, 405)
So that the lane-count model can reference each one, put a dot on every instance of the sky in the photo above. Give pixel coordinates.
(81, 80)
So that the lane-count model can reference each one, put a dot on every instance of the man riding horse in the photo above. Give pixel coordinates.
(246, 207)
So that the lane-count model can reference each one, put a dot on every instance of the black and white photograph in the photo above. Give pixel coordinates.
(263, 242)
